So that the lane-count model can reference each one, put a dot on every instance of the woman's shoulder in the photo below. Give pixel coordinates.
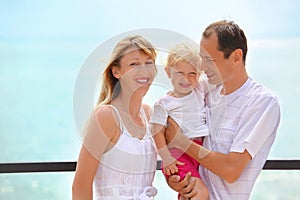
(102, 129)
(104, 110)
(106, 116)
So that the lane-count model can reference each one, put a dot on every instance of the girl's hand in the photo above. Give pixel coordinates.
(172, 168)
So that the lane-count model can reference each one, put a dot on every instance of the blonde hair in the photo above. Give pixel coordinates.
(184, 52)
(110, 88)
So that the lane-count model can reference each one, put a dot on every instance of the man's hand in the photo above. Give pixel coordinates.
(185, 187)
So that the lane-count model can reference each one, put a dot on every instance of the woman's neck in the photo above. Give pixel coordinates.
(129, 109)
(130, 104)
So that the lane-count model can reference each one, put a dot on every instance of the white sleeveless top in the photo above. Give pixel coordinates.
(126, 171)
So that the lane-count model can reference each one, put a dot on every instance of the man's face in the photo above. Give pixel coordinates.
(214, 65)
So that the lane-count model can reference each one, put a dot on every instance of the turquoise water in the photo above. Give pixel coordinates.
(37, 79)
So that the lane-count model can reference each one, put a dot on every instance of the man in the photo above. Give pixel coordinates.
(243, 117)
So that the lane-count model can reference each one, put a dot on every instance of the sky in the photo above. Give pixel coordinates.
(69, 19)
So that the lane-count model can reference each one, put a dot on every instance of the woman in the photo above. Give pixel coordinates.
(118, 155)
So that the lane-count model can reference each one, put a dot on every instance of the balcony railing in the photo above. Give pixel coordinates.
(31, 167)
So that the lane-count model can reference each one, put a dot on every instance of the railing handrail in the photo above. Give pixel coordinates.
(31, 167)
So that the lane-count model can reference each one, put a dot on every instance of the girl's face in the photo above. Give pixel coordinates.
(184, 77)
(136, 71)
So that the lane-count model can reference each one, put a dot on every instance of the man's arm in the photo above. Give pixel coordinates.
(227, 166)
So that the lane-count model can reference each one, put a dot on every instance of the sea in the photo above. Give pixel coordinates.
(37, 82)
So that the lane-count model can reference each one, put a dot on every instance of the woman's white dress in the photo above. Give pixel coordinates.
(126, 171)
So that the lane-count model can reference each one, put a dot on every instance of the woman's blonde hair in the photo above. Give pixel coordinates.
(110, 88)
(184, 52)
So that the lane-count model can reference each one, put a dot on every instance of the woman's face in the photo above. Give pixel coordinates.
(136, 72)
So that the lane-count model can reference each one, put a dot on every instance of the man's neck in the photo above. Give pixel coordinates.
(234, 83)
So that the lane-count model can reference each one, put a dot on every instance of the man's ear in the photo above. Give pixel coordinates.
(168, 71)
(116, 72)
(237, 56)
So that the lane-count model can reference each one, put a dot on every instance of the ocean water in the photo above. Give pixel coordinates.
(37, 80)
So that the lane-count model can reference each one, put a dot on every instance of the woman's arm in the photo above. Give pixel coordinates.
(85, 172)
(101, 132)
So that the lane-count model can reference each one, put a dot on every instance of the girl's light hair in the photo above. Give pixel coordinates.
(184, 52)
(110, 88)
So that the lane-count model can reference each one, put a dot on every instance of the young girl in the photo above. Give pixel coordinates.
(184, 104)
(118, 155)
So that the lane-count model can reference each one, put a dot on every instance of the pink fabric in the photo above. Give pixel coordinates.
(191, 165)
